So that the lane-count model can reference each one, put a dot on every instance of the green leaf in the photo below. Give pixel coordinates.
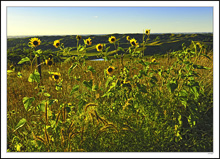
(10, 71)
(172, 85)
(72, 67)
(95, 88)
(20, 124)
(90, 68)
(108, 80)
(201, 67)
(75, 88)
(106, 50)
(195, 91)
(52, 101)
(47, 94)
(26, 59)
(83, 48)
(121, 49)
(81, 103)
(88, 84)
(35, 77)
(80, 46)
(41, 106)
(27, 102)
(37, 53)
(19, 75)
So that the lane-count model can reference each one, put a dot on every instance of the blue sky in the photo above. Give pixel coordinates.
(107, 20)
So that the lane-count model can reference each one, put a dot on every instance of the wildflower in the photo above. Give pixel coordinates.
(198, 44)
(56, 76)
(99, 47)
(153, 60)
(128, 38)
(50, 56)
(49, 62)
(110, 70)
(35, 42)
(112, 39)
(18, 147)
(147, 31)
(133, 42)
(78, 37)
(69, 104)
(19, 75)
(12, 67)
(88, 41)
(56, 43)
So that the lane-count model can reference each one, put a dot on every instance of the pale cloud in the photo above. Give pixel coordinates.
(95, 16)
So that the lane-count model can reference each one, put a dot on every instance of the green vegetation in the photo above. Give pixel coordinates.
(127, 103)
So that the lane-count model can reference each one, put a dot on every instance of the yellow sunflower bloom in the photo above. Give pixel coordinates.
(153, 60)
(110, 70)
(128, 38)
(147, 31)
(133, 42)
(56, 76)
(50, 56)
(112, 39)
(34, 42)
(49, 62)
(88, 41)
(99, 47)
(56, 43)
(78, 37)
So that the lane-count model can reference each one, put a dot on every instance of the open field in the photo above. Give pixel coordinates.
(138, 102)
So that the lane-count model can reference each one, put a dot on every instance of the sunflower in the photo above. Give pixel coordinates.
(147, 31)
(133, 42)
(56, 43)
(49, 62)
(88, 41)
(50, 56)
(153, 60)
(110, 70)
(99, 47)
(128, 38)
(34, 42)
(56, 76)
(112, 39)
(19, 75)
(78, 37)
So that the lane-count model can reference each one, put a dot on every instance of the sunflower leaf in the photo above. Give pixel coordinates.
(10, 71)
(90, 68)
(121, 49)
(47, 94)
(72, 67)
(27, 102)
(88, 84)
(26, 59)
(75, 88)
(20, 124)
(34, 77)
(81, 103)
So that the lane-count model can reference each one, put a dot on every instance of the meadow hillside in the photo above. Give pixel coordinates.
(152, 95)
(157, 44)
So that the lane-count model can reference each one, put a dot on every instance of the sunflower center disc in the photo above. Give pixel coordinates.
(35, 43)
(56, 77)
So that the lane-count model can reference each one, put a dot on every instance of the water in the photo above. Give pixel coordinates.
(97, 59)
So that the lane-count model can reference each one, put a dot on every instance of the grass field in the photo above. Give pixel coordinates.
(130, 103)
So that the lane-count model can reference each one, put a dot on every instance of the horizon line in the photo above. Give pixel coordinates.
(105, 34)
